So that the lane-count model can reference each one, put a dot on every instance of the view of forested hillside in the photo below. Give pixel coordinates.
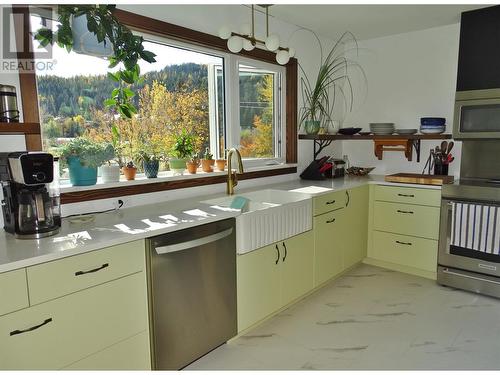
(60, 96)
(169, 101)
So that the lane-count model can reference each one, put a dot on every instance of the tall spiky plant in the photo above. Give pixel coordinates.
(319, 97)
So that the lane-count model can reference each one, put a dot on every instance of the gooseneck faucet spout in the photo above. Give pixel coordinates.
(232, 179)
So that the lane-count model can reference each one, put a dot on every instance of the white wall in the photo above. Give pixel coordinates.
(410, 75)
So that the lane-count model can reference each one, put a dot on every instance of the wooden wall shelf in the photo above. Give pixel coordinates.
(19, 128)
(412, 141)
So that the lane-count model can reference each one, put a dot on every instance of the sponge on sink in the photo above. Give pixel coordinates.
(239, 203)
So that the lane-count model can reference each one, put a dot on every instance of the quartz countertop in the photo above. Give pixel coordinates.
(135, 223)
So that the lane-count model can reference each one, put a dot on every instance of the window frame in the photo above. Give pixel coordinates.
(29, 97)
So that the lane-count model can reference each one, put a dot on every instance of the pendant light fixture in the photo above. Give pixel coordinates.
(246, 39)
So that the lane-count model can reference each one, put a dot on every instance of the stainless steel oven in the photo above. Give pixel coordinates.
(477, 114)
(461, 262)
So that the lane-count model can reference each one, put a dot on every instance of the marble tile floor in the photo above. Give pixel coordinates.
(371, 319)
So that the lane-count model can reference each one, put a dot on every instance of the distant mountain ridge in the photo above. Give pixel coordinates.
(60, 96)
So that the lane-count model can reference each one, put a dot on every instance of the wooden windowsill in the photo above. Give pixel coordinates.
(75, 194)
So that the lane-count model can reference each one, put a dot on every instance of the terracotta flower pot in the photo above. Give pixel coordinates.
(207, 165)
(221, 164)
(129, 173)
(192, 167)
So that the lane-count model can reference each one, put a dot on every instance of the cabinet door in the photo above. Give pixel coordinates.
(297, 266)
(328, 245)
(259, 285)
(356, 226)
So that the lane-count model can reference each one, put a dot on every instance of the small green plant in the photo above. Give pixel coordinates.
(208, 155)
(130, 164)
(148, 154)
(194, 159)
(91, 154)
(184, 146)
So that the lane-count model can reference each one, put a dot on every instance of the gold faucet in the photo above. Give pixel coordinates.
(232, 179)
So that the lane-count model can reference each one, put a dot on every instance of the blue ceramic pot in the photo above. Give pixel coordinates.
(312, 126)
(151, 168)
(80, 175)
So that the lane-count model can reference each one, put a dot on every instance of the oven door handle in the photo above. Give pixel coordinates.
(469, 277)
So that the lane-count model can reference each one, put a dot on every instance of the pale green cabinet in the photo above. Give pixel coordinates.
(272, 277)
(340, 235)
(259, 285)
(356, 226)
(296, 267)
(329, 242)
(13, 291)
(404, 229)
(67, 326)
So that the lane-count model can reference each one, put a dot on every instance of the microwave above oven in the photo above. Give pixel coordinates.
(477, 114)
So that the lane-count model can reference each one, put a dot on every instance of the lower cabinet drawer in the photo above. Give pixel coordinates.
(405, 250)
(130, 354)
(60, 277)
(55, 334)
(407, 219)
(13, 291)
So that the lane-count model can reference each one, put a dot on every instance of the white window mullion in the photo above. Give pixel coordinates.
(232, 103)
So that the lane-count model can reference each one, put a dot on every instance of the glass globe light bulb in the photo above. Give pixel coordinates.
(235, 44)
(247, 45)
(224, 32)
(282, 57)
(272, 42)
(291, 51)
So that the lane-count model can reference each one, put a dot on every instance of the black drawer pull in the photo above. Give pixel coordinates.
(405, 212)
(407, 195)
(19, 331)
(331, 202)
(278, 251)
(404, 243)
(330, 221)
(79, 273)
(286, 252)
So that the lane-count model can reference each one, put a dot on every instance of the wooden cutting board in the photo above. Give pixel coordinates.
(422, 179)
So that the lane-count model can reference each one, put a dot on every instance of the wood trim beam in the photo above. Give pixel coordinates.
(126, 189)
(27, 79)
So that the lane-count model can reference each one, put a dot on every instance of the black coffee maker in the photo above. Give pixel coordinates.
(30, 205)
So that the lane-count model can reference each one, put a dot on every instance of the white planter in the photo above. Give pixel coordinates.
(86, 42)
(110, 173)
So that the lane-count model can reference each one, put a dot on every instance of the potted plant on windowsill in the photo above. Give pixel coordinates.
(83, 156)
(181, 151)
(110, 171)
(150, 160)
(207, 163)
(193, 164)
(129, 171)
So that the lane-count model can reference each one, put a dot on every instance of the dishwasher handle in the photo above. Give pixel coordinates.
(193, 243)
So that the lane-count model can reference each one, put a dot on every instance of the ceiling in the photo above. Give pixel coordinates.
(369, 21)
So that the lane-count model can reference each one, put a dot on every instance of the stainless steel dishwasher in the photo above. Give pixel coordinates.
(192, 291)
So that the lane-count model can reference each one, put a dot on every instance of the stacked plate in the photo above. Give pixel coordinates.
(432, 125)
(382, 128)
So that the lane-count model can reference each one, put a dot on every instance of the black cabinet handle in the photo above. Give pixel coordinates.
(278, 251)
(405, 212)
(330, 221)
(348, 198)
(19, 331)
(406, 195)
(404, 243)
(79, 273)
(331, 202)
(286, 252)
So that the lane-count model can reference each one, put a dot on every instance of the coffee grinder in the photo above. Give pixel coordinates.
(30, 205)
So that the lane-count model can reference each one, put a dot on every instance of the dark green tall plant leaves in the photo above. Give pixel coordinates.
(128, 48)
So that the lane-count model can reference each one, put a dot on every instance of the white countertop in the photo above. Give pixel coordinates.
(130, 224)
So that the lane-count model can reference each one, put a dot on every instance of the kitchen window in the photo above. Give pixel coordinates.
(225, 100)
